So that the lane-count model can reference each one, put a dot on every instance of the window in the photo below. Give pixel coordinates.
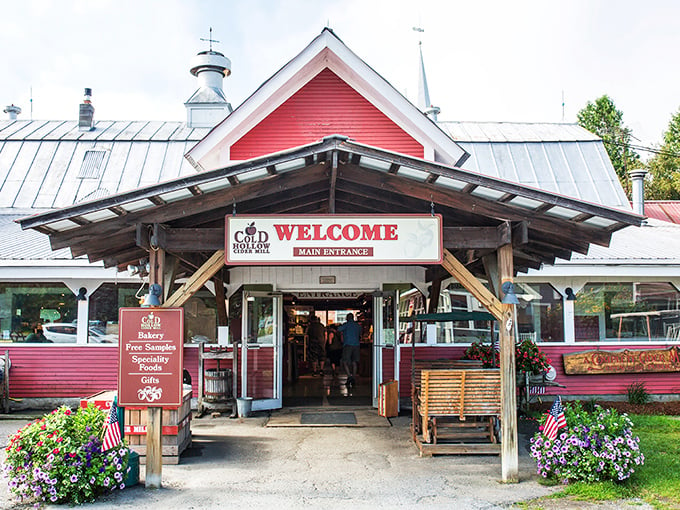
(540, 313)
(23, 306)
(92, 165)
(103, 310)
(628, 311)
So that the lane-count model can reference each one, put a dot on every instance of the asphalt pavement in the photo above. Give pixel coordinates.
(242, 463)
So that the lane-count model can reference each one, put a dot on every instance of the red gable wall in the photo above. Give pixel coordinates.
(324, 106)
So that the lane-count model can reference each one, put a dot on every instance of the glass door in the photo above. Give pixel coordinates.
(261, 349)
(385, 347)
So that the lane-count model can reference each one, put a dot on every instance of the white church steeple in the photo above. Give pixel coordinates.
(424, 102)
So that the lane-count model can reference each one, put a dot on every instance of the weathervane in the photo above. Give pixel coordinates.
(210, 39)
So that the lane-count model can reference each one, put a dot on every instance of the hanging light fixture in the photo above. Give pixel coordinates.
(509, 296)
(153, 297)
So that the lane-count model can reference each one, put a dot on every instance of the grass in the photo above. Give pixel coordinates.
(657, 482)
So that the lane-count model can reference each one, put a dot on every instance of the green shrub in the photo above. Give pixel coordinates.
(592, 447)
(637, 393)
(58, 458)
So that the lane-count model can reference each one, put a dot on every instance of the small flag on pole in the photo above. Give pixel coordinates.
(112, 428)
(555, 420)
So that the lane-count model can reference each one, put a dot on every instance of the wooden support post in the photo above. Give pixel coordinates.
(221, 302)
(154, 421)
(154, 448)
(434, 295)
(509, 448)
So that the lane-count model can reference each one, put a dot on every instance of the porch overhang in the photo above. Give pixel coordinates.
(185, 216)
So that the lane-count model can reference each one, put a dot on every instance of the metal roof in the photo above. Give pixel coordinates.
(655, 242)
(40, 161)
(561, 158)
(18, 244)
(664, 210)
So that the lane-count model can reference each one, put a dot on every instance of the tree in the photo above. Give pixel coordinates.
(664, 167)
(606, 121)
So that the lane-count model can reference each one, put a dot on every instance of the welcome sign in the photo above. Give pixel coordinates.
(333, 239)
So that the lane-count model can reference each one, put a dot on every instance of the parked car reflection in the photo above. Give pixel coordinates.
(61, 332)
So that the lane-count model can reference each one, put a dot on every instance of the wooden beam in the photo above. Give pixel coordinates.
(215, 200)
(190, 239)
(467, 202)
(434, 295)
(472, 284)
(197, 280)
(221, 302)
(506, 332)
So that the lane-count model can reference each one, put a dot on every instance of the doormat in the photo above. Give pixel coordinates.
(328, 419)
(319, 417)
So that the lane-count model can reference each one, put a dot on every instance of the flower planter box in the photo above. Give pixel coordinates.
(176, 432)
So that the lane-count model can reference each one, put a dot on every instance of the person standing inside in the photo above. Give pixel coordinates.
(316, 333)
(37, 336)
(351, 341)
(334, 347)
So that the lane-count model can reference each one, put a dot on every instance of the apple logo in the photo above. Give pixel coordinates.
(250, 229)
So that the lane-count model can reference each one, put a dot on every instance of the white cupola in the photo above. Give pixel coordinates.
(208, 105)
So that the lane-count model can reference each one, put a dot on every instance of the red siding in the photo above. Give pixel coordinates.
(611, 384)
(80, 371)
(324, 106)
(71, 371)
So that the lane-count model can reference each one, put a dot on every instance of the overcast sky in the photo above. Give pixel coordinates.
(485, 60)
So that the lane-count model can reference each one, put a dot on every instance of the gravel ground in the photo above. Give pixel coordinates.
(243, 464)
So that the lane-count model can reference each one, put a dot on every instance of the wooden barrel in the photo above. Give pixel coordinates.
(217, 384)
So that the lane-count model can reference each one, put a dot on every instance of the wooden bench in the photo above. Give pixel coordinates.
(432, 364)
(461, 406)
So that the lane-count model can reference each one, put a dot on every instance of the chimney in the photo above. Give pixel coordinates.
(86, 116)
(637, 179)
(208, 105)
(13, 111)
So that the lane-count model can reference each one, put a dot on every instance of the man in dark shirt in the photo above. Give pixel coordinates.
(351, 340)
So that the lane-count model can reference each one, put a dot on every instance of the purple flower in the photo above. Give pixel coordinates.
(74, 478)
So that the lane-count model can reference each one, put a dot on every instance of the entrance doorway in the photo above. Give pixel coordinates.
(310, 380)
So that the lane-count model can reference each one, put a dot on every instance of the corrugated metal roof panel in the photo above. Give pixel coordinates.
(516, 132)
(575, 169)
(131, 130)
(664, 210)
(656, 241)
(20, 244)
(59, 132)
(42, 170)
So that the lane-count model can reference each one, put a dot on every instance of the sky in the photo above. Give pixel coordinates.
(486, 60)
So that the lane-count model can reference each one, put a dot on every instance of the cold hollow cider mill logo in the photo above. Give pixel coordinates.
(251, 240)
(150, 321)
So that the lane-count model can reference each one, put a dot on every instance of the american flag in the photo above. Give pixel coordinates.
(555, 420)
(111, 429)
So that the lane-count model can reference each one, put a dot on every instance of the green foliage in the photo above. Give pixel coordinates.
(637, 393)
(606, 121)
(58, 458)
(590, 405)
(593, 447)
(663, 167)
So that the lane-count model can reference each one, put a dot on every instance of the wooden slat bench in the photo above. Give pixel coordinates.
(461, 406)
(432, 364)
